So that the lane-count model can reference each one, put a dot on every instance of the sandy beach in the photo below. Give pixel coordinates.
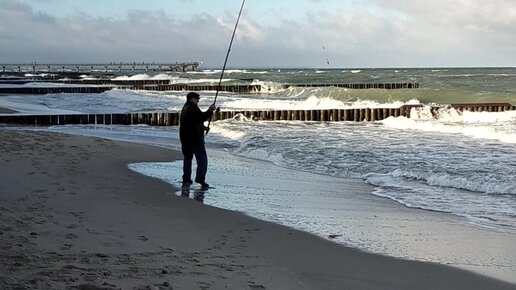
(72, 215)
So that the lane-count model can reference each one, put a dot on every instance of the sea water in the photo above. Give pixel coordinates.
(463, 163)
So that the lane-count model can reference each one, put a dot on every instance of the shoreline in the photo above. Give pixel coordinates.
(76, 215)
(358, 218)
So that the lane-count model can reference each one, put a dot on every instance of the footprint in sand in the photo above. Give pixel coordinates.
(39, 190)
(71, 236)
(93, 232)
(143, 238)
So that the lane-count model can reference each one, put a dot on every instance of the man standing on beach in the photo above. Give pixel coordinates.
(191, 134)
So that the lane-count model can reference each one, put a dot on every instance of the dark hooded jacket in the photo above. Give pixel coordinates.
(191, 124)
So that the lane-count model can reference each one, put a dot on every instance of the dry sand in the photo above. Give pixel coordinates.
(73, 216)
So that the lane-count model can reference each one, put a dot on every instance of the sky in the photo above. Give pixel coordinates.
(271, 33)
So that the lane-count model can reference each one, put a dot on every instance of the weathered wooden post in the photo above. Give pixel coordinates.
(340, 115)
(159, 119)
(114, 119)
(374, 114)
(169, 119)
(296, 115)
(368, 114)
(324, 115)
(334, 115)
(127, 119)
(264, 115)
(313, 115)
(379, 114)
(288, 115)
(362, 115)
(72, 119)
(176, 119)
(99, 119)
(107, 119)
(356, 115)
(38, 120)
(83, 119)
(53, 120)
(301, 115)
(154, 119)
(277, 115)
(283, 115)
(307, 115)
(122, 119)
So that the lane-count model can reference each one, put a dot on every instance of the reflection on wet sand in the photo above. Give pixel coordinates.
(198, 194)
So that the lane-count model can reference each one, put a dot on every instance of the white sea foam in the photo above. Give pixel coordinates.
(309, 103)
(144, 77)
(485, 185)
(261, 154)
(269, 87)
(37, 75)
(448, 114)
(227, 133)
(275, 104)
(229, 71)
(414, 189)
(193, 81)
(472, 124)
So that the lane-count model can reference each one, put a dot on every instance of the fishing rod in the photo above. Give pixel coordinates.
(226, 61)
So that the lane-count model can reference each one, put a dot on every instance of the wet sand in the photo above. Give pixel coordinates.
(345, 210)
(73, 215)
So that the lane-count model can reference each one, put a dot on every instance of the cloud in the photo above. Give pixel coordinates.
(141, 35)
(388, 34)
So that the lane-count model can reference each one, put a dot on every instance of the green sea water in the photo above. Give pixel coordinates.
(436, 85)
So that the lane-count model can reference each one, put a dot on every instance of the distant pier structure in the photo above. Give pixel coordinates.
(97, 67)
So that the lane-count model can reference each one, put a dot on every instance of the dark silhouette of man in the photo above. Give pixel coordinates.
(191, 134)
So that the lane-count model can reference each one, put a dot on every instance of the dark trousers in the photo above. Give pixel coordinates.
(199, 151)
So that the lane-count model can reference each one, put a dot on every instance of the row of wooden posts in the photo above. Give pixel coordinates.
(159, 86)
(172, 118)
